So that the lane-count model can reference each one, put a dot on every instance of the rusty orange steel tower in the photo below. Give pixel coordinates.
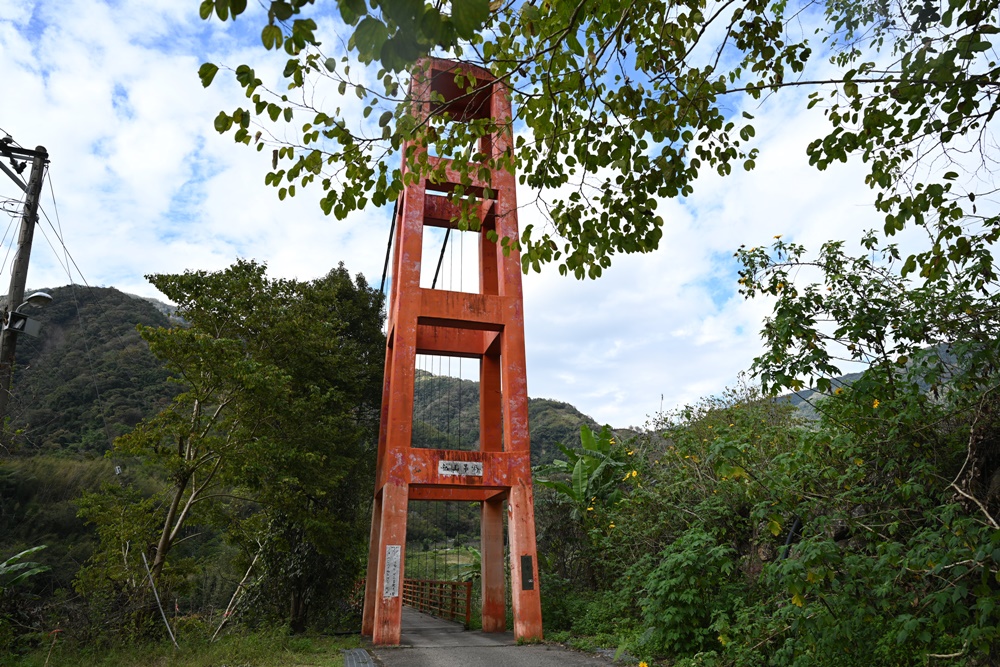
(488, 326)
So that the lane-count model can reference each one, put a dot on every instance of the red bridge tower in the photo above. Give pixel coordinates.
(488, 326)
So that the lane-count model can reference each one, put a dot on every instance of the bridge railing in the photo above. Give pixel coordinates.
(445, 599)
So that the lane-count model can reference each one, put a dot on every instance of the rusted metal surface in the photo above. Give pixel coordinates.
(471, 344)
(488, 326)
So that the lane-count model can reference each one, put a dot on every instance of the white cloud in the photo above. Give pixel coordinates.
(145, 185)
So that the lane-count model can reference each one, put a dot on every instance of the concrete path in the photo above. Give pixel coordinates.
(431, 642)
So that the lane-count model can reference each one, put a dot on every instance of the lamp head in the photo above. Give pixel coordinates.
(37, 299)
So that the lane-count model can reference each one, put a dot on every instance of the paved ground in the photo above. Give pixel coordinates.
(431, 642)
(357, 657)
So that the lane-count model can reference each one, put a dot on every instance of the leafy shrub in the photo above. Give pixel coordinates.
(684, 591)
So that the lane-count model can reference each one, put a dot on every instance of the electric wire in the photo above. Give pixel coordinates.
(55, 210)
(71, 264)
(79, 314)
(10, 226)
(67, 262)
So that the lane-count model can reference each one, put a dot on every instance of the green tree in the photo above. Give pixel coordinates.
(621, 104)
(277, 419)
(920, 426)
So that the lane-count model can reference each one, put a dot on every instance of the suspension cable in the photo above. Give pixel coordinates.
(441, 257)
(388, 248)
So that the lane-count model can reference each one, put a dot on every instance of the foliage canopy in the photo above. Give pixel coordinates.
(268, 443)
(618, 105)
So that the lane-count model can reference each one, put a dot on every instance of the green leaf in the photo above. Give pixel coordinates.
(271, 36)
(223, 122)
(368, 38)
(468, 16)
(352, 10)
(431, 24)
(205, 10)
(579, 479)
(281, 10)
(207, 73)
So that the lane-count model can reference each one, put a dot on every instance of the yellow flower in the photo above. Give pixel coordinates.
(838, 391)
(611, 525)
(590, 509)
(778, 236)
(634, 473)
(732, 425)
(643, 664)
(630, 452)
(875, 403)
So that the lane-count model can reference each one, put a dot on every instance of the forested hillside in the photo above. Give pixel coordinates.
(88, 377)
(446, 416)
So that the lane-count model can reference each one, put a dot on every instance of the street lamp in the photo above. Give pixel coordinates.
(37, 299)
(17, 322)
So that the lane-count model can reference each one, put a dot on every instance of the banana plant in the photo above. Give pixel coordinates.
(587, 475)
(471, 570)
(23, 570)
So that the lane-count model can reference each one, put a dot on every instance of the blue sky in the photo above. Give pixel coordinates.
(144, 184)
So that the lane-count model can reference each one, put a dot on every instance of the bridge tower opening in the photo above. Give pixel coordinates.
(486, 325)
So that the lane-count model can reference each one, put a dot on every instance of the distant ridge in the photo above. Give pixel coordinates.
(89, 377)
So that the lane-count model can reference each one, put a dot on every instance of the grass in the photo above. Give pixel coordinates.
(275, 648)
(443, 564)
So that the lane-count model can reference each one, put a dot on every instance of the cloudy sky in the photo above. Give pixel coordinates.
(142, 183)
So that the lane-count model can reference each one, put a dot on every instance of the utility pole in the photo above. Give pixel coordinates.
(19, 276)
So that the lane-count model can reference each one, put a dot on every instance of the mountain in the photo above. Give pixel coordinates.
(803, 400)
(88, 377)
(446, 416)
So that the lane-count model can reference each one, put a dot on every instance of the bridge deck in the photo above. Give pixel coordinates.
(425, 631)
(431, 642)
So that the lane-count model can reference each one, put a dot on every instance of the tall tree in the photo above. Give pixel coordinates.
(281, 383)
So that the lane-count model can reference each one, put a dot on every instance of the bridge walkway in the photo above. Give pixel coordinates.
(432, 642)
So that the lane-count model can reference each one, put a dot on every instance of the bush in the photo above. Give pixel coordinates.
(688, 587)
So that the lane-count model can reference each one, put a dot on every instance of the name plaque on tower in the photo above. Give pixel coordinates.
(461, 468)
(393, 556)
